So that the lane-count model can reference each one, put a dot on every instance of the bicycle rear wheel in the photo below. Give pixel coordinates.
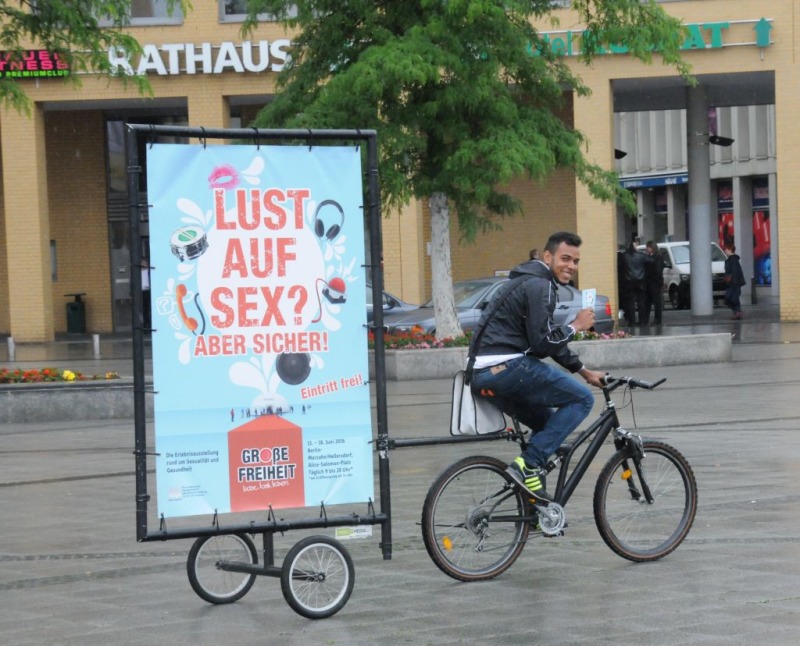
(632, 527)
(474, 519)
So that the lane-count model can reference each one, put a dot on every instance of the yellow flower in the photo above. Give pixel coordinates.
(68, 375)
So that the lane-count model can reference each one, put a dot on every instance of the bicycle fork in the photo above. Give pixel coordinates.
(632, 442)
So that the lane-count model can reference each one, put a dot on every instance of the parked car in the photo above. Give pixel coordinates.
(391, 304)
(677, 272)
(472, 296)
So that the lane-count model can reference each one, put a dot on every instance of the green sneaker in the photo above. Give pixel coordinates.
(532, 480)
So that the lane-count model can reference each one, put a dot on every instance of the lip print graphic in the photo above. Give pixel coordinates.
(223, 176)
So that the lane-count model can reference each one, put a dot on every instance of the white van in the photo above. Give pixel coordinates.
(677, 272)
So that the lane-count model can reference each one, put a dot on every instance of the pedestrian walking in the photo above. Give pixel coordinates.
(633, 264)
(734, 281)
(653, 284)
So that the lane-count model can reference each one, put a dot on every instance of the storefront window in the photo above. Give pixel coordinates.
(152, 12)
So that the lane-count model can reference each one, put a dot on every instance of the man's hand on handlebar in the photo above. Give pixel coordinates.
(593, 377)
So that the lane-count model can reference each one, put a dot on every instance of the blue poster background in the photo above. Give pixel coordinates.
(259, 343)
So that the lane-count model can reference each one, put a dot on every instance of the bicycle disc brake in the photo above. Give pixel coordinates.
(551, 518)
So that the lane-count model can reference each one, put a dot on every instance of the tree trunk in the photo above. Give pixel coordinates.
(444, 308)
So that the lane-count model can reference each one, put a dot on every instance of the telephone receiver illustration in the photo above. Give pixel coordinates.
(190, 323)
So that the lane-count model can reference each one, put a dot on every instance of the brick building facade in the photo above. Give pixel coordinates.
(62, 215)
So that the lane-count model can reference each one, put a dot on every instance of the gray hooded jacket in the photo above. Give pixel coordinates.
(524, 320)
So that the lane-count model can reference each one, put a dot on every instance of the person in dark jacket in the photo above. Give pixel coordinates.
(633, 263)
(509, 358)
(653, 284)
(734, 281)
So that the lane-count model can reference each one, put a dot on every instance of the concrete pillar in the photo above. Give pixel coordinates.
(676, 212)
(30, 287)
(647, 222)
(773, 223)
(207, 110)
(743, 229)
(595, 221)
(699, 199)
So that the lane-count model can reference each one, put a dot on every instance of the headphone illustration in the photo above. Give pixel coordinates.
(190, 323)
(319, 226)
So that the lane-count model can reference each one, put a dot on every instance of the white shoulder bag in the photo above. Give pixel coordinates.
(473, 415)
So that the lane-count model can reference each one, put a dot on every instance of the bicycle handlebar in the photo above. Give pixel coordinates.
(612, 383)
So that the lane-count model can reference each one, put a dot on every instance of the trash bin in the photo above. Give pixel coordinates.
(76, 314)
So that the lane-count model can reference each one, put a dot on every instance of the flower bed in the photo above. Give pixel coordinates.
(37, 376)
(418, 340)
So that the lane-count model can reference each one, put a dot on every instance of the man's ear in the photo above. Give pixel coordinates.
(547, 258)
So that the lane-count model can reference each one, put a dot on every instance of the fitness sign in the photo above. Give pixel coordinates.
(259, 342)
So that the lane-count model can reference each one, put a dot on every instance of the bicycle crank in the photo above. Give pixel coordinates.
(551, 518)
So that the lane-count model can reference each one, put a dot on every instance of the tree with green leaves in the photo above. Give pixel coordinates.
(464, 95)
(79, 32)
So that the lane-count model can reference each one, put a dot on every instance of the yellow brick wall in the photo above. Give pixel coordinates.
(787, 264)
(76, 174)
(404, 242)
(27, 228)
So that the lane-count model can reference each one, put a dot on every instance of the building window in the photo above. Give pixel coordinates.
(53, 261)
(236, 11)
(151, 12)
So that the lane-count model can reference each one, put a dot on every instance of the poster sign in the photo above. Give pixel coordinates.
(260, 357)
(762, 256)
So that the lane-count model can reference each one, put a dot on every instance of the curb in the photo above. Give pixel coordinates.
(84, 400)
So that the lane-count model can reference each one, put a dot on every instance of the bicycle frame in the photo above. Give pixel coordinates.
(600, 429)
(606, 423)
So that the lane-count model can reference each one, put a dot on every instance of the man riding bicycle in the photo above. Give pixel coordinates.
(509, 368)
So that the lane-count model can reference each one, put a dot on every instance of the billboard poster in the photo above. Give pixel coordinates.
(260, 359)
(725, 214)
(726, 229)
(762, 256)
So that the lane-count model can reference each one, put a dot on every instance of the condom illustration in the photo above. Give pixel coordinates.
(188, 243)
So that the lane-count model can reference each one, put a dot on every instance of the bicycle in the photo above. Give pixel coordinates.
(476, 519)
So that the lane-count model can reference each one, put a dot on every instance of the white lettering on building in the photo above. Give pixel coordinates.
(187, 58)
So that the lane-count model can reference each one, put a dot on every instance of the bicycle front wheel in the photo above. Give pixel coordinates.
(474, 519)
(634, 528)
(208, 579)
(317, 577)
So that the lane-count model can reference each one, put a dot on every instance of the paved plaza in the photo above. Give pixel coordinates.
(72, 573)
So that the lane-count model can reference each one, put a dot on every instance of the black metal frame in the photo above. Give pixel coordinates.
(138, 213)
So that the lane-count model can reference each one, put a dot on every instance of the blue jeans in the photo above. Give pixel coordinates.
(549, 401)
